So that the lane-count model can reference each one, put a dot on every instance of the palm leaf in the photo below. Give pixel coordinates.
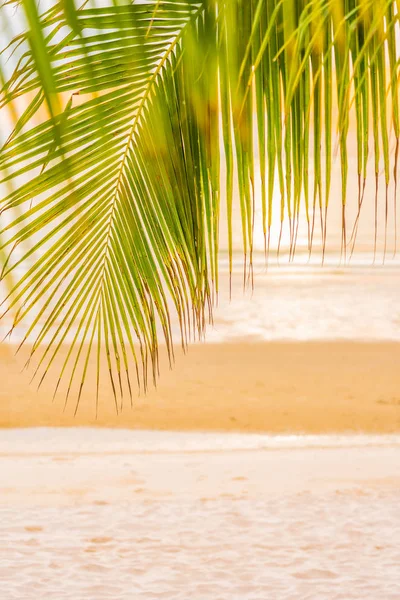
(113, 214)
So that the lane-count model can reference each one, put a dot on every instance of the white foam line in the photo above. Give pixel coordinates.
(94, 441)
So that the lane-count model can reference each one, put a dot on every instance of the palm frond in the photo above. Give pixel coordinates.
(113, 215)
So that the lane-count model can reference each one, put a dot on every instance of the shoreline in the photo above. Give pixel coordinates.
(260, 387)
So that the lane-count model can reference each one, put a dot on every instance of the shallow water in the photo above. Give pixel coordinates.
(296, 302)
(310, 302)
(93, 514)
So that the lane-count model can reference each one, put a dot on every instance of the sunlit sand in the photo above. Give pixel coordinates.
(103, 514)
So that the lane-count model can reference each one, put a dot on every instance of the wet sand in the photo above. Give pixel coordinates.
(310, 387)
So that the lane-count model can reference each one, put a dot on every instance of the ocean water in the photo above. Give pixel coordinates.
(99, 514)
(301, 301)
(306, 301)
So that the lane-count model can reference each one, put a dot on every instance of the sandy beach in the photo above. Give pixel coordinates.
(92, 514)
(309, 387)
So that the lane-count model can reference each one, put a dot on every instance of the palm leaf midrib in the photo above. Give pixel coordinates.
(153, 77)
